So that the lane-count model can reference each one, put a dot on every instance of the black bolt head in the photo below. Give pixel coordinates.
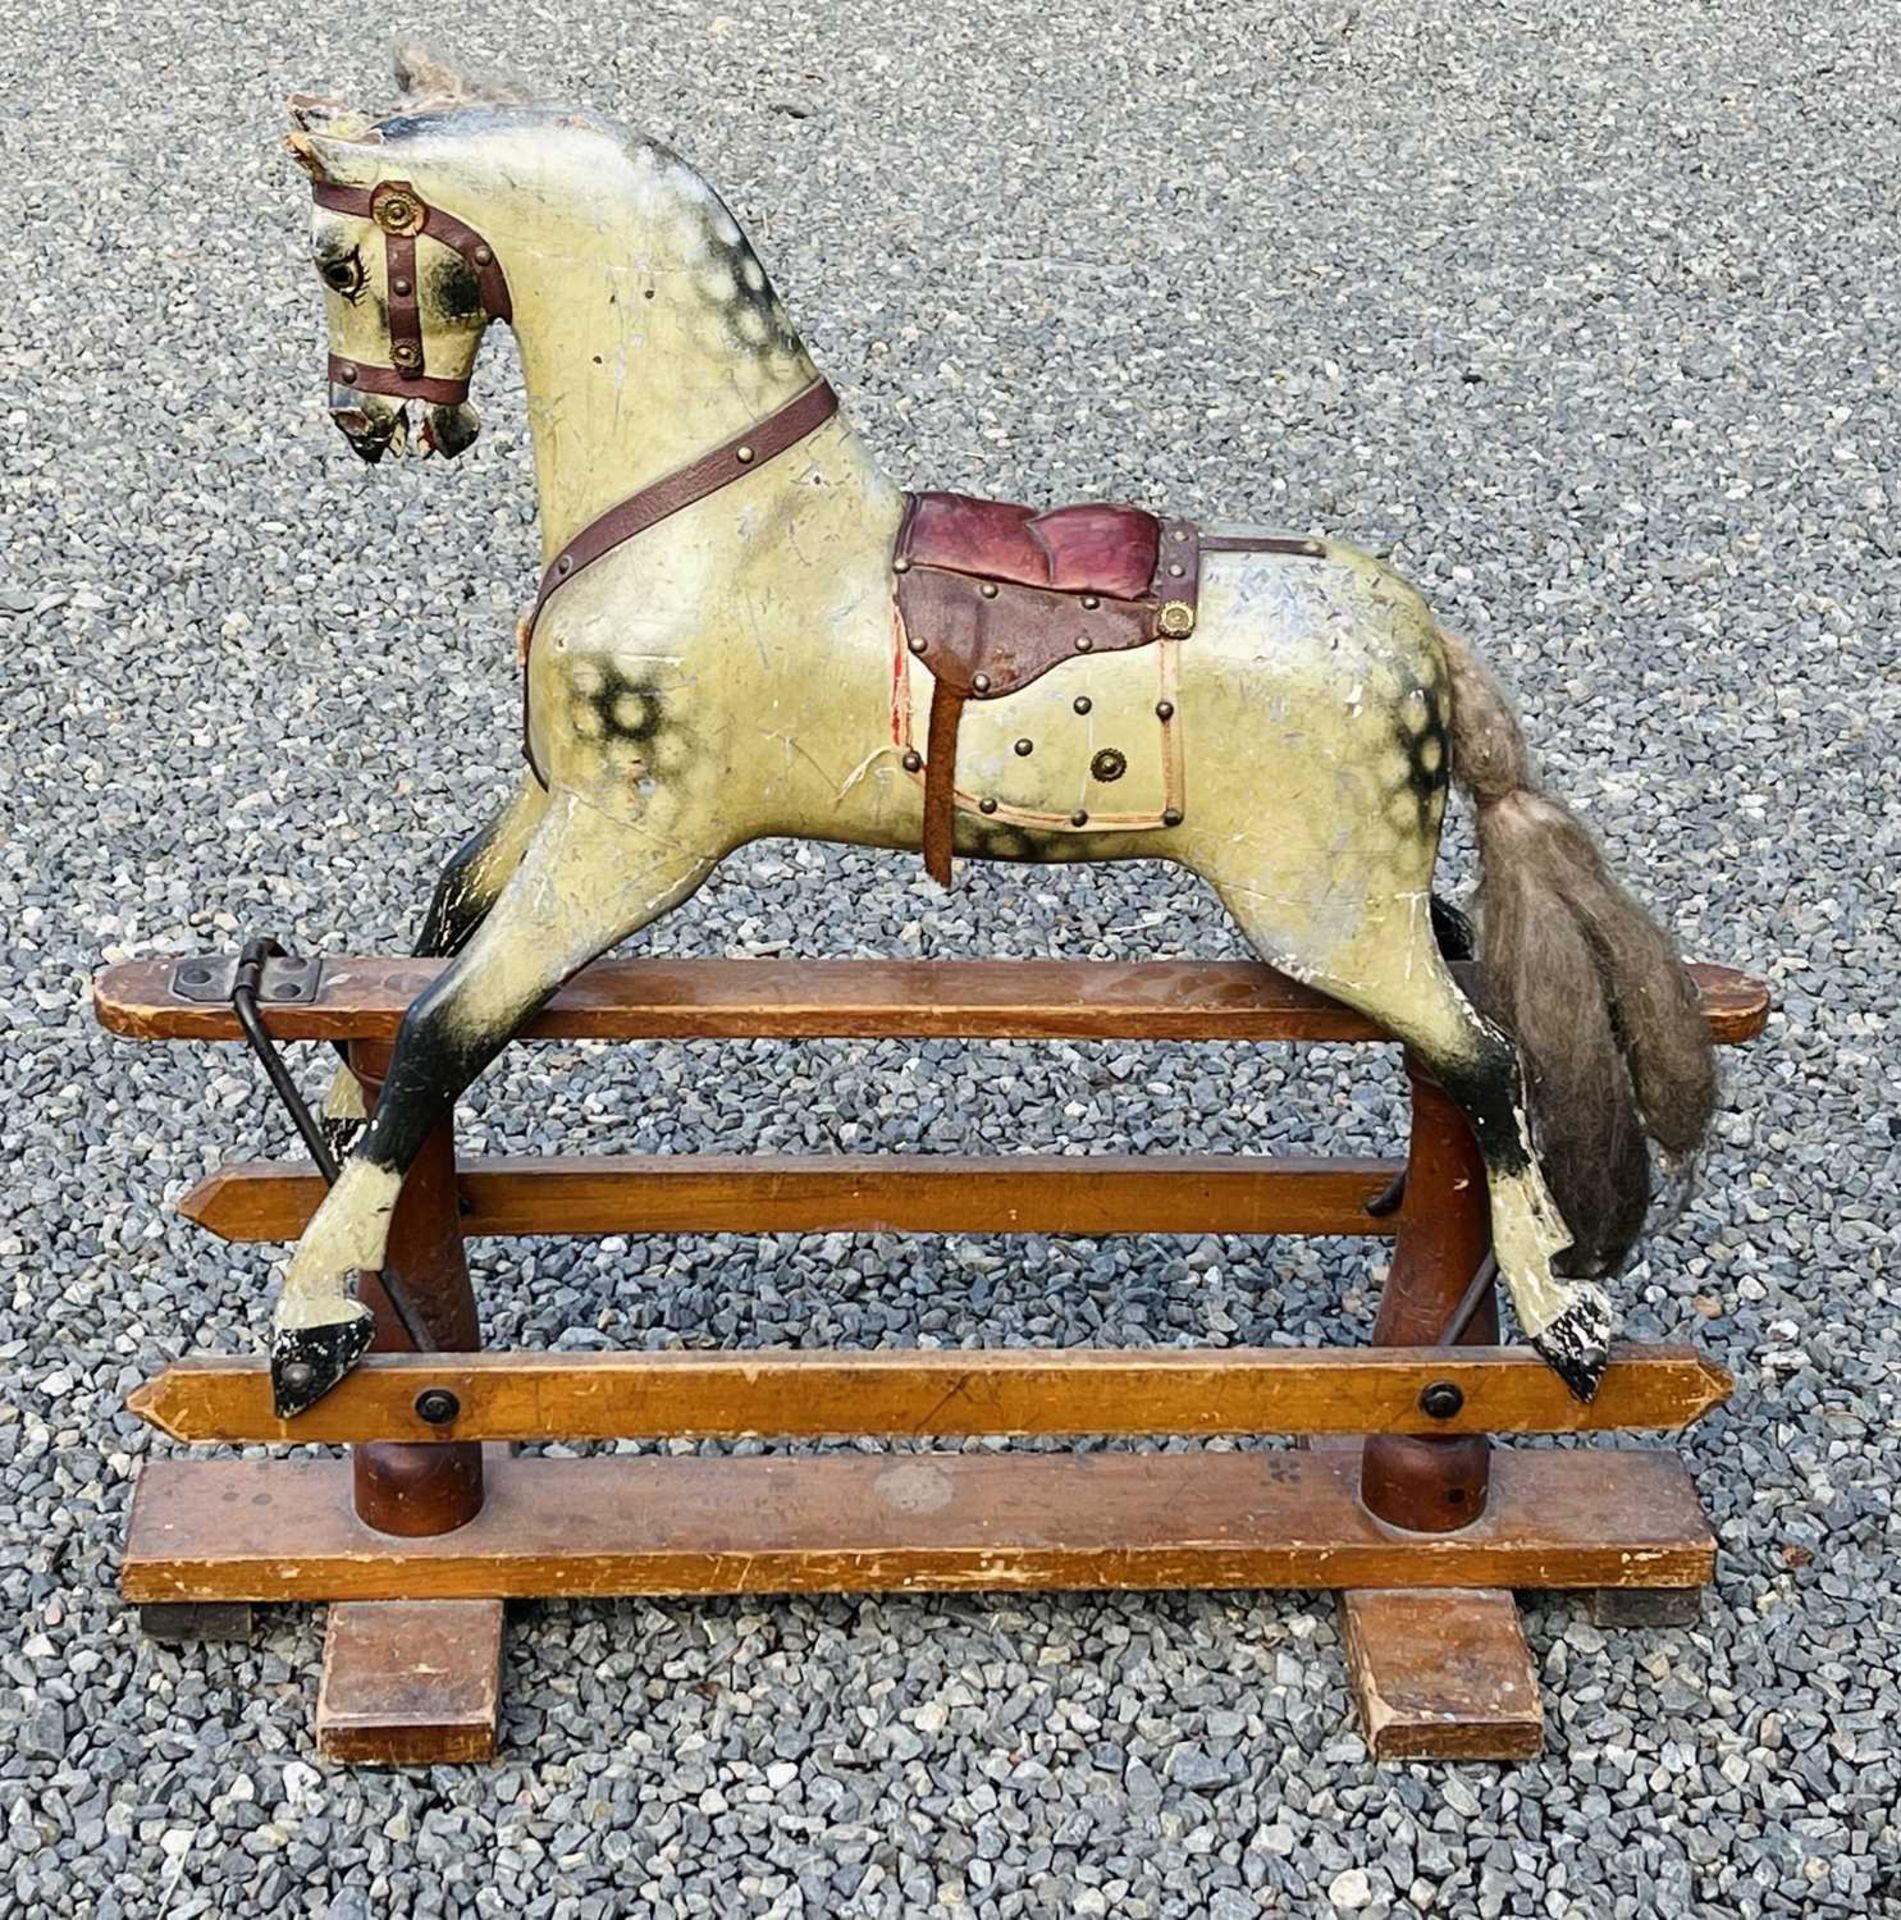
(437, 1405)
(1441, 1400)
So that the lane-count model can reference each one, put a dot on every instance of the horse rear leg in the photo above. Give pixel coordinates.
(585, 882)
(1384, 961)
(476, 873)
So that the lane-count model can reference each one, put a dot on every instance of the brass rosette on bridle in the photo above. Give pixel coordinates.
(396, 209)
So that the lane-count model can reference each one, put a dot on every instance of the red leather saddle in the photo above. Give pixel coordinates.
(1096, 548)
(990, 596)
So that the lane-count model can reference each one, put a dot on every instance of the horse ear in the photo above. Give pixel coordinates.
(337, 162)
(427, 79)
(310, 113)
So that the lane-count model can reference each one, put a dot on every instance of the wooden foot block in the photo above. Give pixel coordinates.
(871, 1523)
(186, 1623)
(1442, 1674)
(410, 1683)
(1646, 1606)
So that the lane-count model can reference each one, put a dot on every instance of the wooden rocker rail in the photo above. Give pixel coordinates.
(732, 1396)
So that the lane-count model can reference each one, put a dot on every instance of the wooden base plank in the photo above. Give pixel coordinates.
(411, 1683)
(192, 1623)
(1442, 1674)
(1647, 1607)
(620, 1524)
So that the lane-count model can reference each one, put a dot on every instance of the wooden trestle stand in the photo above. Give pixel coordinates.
(1399, 1500)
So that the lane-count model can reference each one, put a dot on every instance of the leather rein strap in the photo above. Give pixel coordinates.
(804, 413)
(402, 213)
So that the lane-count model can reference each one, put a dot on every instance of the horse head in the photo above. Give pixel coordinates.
(410, 287)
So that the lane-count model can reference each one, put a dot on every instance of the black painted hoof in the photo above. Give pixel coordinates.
(341, 1133)
(306, 1362)
(1577, 1345)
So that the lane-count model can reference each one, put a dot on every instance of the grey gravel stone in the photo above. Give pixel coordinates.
(1585, 316)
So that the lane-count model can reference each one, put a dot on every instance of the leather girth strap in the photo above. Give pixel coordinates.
(940, 780)
(781, 430)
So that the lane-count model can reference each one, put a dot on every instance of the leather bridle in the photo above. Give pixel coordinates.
(402, 213)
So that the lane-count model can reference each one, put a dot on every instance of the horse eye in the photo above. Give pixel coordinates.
(346, 275)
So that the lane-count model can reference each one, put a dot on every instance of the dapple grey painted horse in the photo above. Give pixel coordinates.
(731, 669)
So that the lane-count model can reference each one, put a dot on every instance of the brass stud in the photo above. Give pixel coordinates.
(980, 683)
(1176, 570)
(565, 564)
(913, 761)
(1083, 703)
(1110, 764)
(1180, 533)
(1025, 748)
(1164, 709)
(1091, 602)
(347, 374)
(917, 643)
(987, 804)
(1080, 818)
(399, 286)
(900, 565)
(484, 257)
(406, 353)
(744, 455)
(988, 589)
(1171, 816)
(1083, 643)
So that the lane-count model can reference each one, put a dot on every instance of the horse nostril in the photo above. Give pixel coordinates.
(369, 438)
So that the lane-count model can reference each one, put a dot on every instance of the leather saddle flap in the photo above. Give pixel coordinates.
(1094, 548)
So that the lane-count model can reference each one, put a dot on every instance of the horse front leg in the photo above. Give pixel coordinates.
(467, 888)
(586, 881)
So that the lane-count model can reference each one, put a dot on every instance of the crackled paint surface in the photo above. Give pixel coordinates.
(730, 673)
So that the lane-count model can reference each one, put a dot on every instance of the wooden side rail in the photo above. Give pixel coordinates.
(1089, 1195)
(807, 1395)
(364, 998)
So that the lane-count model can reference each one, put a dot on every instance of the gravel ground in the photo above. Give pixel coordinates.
(1584, 315)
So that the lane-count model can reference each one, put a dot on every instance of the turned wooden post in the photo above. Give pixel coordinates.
(403, 1488)
(1445, 1230)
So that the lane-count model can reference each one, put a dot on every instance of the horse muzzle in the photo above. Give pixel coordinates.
(370, 423)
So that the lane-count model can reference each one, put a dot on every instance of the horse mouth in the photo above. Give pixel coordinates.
(371, 435)
(445, 430)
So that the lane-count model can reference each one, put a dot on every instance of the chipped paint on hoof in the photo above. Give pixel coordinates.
(1576, 1346)
(341, 1133)
(306, 1362)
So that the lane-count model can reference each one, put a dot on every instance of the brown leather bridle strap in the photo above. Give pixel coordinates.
(399, 386)
(401, 213)
(681, 488)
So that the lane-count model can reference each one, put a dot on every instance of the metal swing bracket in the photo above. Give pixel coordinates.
(279, 977)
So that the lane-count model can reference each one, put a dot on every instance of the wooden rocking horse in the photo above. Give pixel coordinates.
(744, 629)
(741, 619)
